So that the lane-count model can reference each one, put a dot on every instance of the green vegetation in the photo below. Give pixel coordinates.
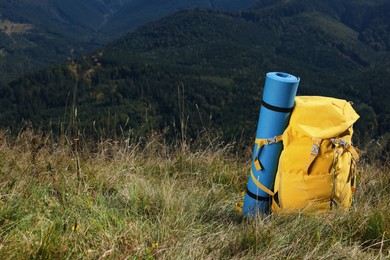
(63, 25)
(124, 163)
(141, 198)
(215, 64)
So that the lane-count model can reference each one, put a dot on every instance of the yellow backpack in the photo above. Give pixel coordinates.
(316, 166)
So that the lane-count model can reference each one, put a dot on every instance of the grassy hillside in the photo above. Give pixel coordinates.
(140, 198)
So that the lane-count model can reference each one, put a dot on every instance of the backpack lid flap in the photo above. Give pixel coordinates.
(322, 117)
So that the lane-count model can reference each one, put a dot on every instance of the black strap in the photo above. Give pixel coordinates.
(276, 109)
(276, 198)
(256, 197)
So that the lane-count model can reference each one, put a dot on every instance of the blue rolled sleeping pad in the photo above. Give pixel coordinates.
(279, 93)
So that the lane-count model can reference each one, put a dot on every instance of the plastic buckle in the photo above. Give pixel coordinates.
(343, 143)
(340, 141)
(314, 150)
(272, 140)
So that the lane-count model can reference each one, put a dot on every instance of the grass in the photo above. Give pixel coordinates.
(142, 198)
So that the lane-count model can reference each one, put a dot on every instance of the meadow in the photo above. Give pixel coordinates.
(142, 198)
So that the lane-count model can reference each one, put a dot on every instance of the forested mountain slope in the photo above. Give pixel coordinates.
(35, 34)
(206, 68)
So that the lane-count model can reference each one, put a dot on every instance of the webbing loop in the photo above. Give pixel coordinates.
(276, 108)
(260, 143)
(261, 186)
(239, 206)
(313, 154)
(256, 197)
(347, 147)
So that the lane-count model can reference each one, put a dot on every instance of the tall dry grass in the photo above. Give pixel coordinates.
(142, 198)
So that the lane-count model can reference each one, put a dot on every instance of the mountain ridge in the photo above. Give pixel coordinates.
(62, 26)
(215, 61)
